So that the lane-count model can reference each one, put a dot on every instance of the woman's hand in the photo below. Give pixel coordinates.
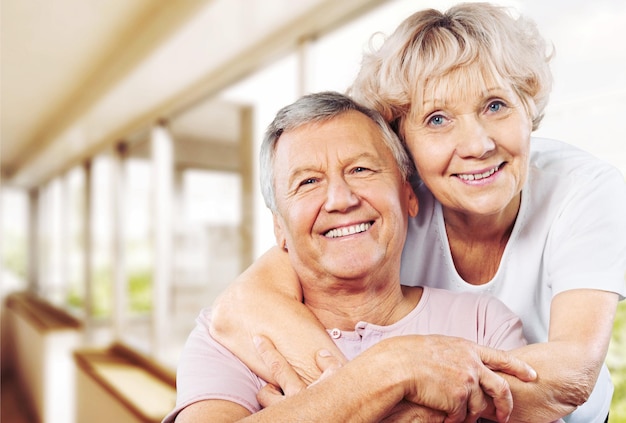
(257, 303)
(288, 380)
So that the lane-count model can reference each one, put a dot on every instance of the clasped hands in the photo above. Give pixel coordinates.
(436, 378)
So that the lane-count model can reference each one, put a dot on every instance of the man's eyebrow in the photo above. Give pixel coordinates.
(295, 174)
(368, 155)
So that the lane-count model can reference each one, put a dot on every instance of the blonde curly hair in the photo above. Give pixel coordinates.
(431, 51)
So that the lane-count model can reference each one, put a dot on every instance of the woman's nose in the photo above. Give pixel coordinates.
(340, 196)
(474, 139)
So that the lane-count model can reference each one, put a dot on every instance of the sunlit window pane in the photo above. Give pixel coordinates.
(101, 273)
(14, 203)
(75, 182)
(138, 233)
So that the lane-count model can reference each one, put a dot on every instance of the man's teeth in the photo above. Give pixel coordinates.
(348, 230)
(478, 176)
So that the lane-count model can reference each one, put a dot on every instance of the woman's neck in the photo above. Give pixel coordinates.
(477, 243)
(495, 228)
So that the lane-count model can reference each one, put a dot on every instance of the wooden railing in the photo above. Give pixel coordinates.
(40, 342)
(118, 384)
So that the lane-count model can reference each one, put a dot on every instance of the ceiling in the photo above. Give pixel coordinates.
(80, 75)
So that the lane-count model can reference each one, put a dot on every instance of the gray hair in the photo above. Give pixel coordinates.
(321, 107)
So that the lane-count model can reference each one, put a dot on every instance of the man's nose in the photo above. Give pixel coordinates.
(340, 196)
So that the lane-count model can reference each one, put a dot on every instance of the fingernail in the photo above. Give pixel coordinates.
(324, 353)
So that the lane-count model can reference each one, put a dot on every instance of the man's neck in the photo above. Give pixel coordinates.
(343, 308)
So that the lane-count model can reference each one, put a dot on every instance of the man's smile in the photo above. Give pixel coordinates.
(348, 230)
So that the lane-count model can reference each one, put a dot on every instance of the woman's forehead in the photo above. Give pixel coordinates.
(459, 84)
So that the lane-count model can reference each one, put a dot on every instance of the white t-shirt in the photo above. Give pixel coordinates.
(570, 233)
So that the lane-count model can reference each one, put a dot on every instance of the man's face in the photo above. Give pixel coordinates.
(342, 203)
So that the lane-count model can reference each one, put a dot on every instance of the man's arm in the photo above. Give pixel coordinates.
(369, 387)
(267, 300)
(290, 384)
(328, 403)
(212, 411)
(324, 401)
(568, 365)
(443, 374)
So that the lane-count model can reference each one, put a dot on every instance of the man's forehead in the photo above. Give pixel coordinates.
(347, 125)
(328, 154)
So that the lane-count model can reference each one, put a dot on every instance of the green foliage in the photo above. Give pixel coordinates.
(616, 361)
(140, 292)
(74, 298)
(14, 254)
(102, 292)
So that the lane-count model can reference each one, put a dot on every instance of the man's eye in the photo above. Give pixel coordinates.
(308, 181)
(361, 170)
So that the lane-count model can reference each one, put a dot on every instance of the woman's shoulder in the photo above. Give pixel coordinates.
(557, 157)
(560, 174)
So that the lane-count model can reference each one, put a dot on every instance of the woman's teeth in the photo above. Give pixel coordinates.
(478, 176)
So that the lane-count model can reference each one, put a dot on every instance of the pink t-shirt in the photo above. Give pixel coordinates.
(207, 370)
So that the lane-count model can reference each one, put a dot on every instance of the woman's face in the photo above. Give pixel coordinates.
(471, 145)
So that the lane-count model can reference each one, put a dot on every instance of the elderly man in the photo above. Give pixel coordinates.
(336, 179)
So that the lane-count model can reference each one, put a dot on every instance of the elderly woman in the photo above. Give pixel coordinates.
(536, 222)
(337, 181)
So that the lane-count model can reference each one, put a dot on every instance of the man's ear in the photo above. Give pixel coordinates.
(412, 202)
(279, 234)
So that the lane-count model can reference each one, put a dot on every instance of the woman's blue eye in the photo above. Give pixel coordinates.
(308, 181)
(495, 106)
(436, 120)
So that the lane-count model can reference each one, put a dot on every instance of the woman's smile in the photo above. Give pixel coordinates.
(481, 176)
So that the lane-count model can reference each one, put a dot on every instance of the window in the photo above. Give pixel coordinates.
(14, 212)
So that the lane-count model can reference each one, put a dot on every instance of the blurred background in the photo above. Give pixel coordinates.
(129, 196)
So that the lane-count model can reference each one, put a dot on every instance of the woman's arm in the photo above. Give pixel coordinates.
(568, 364)
(267, 300)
